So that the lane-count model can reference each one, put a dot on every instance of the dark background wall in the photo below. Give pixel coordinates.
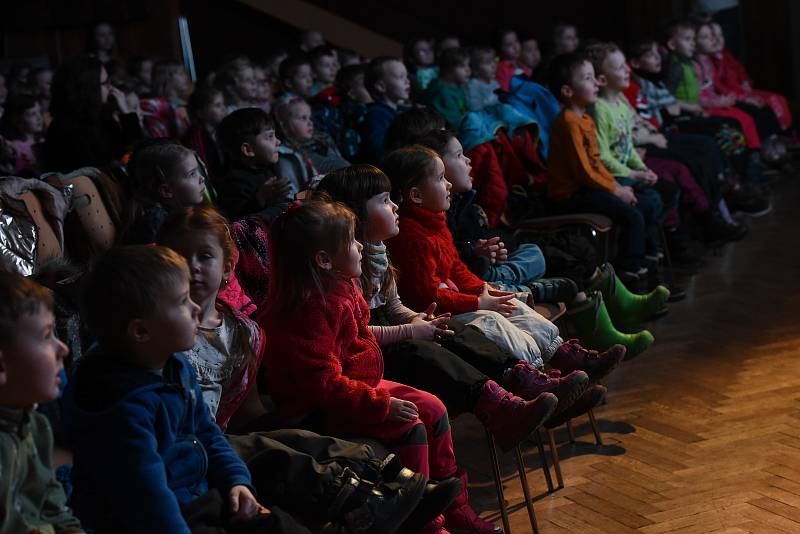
(55, 29)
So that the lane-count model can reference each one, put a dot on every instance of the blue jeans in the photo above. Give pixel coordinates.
(522, 266)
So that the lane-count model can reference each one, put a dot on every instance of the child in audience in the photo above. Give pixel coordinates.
(387, 81)
(264, 96)
(247, 137)
(206, 110)
(530, 56)
(237, 80)
(296, 76)
(311, 39)
(448, 93)
(133, 397)
(226, 356)
(166, 177)
(732, 78)
(333, 371)
(431, 271)
(614, 123)
(565, 39)
(509, 64)
(304, 154)
(422, 350)
(482, 86)
(579, 182)
(22, 127)
(324, 66)
(140, 68)
(31, 359)
(421, 62)
(339, 111)
(165, 108)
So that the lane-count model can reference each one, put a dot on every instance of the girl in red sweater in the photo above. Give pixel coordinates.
(431, 271)
(324, 364)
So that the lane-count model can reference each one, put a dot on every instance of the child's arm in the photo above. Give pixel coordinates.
(586, 169)
(606, 130)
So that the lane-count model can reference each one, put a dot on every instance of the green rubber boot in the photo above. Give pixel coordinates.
(596, 331)
(628, 310)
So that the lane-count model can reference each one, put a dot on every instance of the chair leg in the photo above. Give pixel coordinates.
(597, 437)
(526, 490)
(554, 453)
(667, 257)
(546, 468)
(498, 482)
(570, 432)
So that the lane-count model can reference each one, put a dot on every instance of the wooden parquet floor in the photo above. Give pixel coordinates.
(702, 432)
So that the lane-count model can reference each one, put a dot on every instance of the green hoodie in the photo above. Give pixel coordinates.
(31, 499)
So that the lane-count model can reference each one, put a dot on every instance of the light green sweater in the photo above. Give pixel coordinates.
(615, 122)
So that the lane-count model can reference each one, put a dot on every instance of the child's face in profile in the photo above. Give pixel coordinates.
(265, 148)
(719, 37)
(32, 121)
(263, 88)
(395, 79)
(32, 361)
(568, 41)
(382, 220)
(300, 126)
(705, 42)
(423, 53)
(215, 111)
(461, 73)
(616, 72)
(510, 47)
(584, 85)
(348, 262)
(186, 185)
(433, 193)
(302, 81)
(457, 166)
(325, 69)
(683, 43)
(650, 61)
(530, 56)
(172, 326)
(486, 68)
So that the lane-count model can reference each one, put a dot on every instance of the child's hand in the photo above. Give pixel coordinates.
(646, 176)
(659, 140)
(674, 109)
(402, 411)
(727, 101)
(494, 300)
(756, 101)
(243, 503)
(430, 327)
(273, 191)
(625, 194)
(487, 248)
(502, 253)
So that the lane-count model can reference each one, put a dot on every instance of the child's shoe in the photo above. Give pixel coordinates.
(553, 290)
(437, 497)
(571, 356)
(509, 418)
(528, 382)
(460, 518)
(596, 331)
(627, 309)
(592, 397)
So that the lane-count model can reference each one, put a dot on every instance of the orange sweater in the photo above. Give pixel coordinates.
(574, 158)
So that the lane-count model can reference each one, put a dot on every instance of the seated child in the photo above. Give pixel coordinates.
(31, 358)
(332, 373)
(387, 81)
(339, 111)
(732, 78)
(422, 350)
(296, 77)
(447, 94)
(324, 66)
(614, 122)
(165, 177)
(565, 39)
(579, 182)
(421, 63)
(509, 64)
(247, 137)
(22, 128)
(530, 56)
(264, 87)
(431, 271)
(206, 109)
(165, 108)
(304, 154)
(226, 356)
(236, 79)
(482, 86)
(133, 397)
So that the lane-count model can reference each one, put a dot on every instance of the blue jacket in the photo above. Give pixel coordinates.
(376, 123)
(538, 103)
(143, 445)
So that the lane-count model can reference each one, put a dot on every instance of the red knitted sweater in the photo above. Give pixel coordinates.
(321, 358)
(426, 257)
